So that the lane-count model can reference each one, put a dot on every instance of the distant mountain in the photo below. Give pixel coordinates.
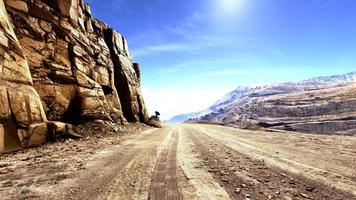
(247, 106)
(226, 100)
(350, 77)
(183, 117)
(240, 94)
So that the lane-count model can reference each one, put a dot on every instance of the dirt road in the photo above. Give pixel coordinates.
(190, 162)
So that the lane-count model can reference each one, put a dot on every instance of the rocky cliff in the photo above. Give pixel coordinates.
(61, 66)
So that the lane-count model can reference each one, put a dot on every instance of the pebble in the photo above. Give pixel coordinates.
(243, 185)
(303, 195)
(225, 180)
(237, 190)
(292, 182)
(310, 188)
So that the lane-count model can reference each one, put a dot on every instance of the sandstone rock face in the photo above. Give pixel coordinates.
(20, 103)
(61, 64)
(128, 78)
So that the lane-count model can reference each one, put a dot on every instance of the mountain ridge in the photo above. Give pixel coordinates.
(240, 95)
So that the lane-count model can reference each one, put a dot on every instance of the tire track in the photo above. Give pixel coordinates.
(196, 183)
(164, 183)
(95, 182)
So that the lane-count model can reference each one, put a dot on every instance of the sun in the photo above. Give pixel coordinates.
(230, 6)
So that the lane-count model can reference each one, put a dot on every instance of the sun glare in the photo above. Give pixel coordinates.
(231, 6)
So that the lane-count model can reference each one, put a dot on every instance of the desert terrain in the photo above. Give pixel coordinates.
(187, 161)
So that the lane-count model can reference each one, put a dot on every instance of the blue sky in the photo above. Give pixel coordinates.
(192, 52)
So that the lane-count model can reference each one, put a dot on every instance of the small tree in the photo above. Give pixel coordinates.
(156, 116)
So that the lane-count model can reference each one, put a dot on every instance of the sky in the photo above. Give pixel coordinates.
(193, 52)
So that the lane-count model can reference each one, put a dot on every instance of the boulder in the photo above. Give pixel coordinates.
(17, 4)
(37, 134)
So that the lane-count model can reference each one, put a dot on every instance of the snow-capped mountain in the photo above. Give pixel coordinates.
(350, 77)
(243, 93)
(229, 99)
(183, 117)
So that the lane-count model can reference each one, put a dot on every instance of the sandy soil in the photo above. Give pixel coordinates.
(330, 159)
(185, 162)
(197, 182)
(246, 170)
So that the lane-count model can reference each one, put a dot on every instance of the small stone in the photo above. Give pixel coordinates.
(225, 180)
(237, 190)
(243, 185)
(310, 188)
(271, 187)
(304, 195)
(292, 182)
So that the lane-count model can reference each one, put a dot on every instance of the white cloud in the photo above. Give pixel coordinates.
(199, 31)
(219, 73)
(162, 48)
(213, 60)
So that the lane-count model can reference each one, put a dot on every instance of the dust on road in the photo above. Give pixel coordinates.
(191, 162)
